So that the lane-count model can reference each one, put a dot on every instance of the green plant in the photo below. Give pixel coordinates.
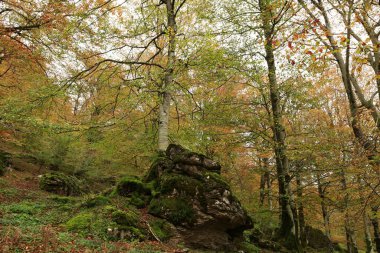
(81, 222)
(124, 218)
(94, 201)
(161, 228)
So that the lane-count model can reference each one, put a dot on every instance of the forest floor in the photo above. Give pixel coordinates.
(32, 220)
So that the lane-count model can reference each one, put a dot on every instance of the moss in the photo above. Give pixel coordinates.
(94, 201)
(249, 248)
(161, 229)
(61, 184)
(183, 184)
(2, 170)
(4, 162)
(63, 199)
(161, 163)
(125, 218)
(175, 210)
(81, 222)
(130, 233)
(128, 185)
(139, 201)
(108, 209)
(25, 208)
(214, 180)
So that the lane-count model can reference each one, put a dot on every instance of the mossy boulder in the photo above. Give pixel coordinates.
(192, 195)
(139, 193)
(176, 210)
(125, 218)
(95, 200)
(127, 225)
(81, 222)
(317, 239)
(61, 184)
(130, 185)
(180, 155)
(4, 162)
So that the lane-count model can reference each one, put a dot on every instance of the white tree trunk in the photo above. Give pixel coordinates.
(163, 127)
(165, 96)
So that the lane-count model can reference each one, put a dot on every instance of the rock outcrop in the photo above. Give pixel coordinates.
(189, 192)
(61, 184)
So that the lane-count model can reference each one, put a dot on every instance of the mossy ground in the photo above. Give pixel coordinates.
(35, 221)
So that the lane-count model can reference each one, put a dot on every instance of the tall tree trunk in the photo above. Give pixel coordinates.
(375, 224)
(350, 234)
(366, 222)
(165, 96)
(163, 128)
(325, 214)
(301, 214)
(287, 225)
(265, 183)
(367, 234)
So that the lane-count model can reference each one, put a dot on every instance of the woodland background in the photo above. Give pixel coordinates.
(281, 93)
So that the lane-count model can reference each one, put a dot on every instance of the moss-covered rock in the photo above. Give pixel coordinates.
(61, 184)
(192, 195)
(180, 183)
(130, 185)
(159, 165)
(95, 200)
(4, 162)
(125, 218)
(180, 155)
(2, 170)
(317, 239)
(139, 200)
(81, 222)
(138, 192)
(176, 210)
(215, 180)
(162, 229)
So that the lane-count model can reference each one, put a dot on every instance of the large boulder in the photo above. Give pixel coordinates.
(317, 239)
(60, 183)
(193, 196)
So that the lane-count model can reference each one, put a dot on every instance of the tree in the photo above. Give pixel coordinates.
(349, 62)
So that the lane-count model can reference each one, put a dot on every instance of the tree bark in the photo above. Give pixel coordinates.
(165, 96)
(301, 214)
(326, 218)
(325, 214)
(367, 234)
(350, 234)
(366, 222)
(265, 185)
(375, 224)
